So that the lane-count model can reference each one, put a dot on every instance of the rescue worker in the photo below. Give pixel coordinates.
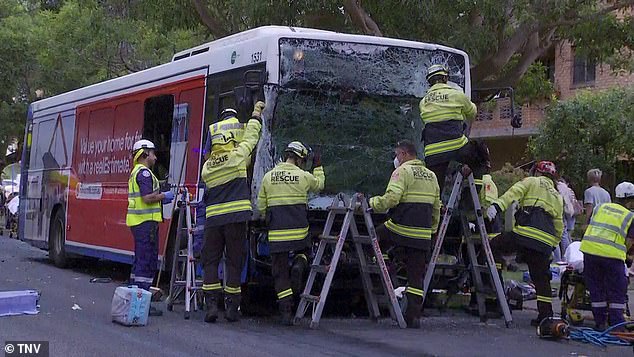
(488, 193)
(228, 209)
(537, 231)
(413, 196)
(444, 110)
(604, 246)
(228, 122)
(283, 199)
(144, 214)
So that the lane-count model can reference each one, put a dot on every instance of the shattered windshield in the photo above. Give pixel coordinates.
(353, 102)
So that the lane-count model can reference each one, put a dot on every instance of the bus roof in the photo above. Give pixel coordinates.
(215, 54)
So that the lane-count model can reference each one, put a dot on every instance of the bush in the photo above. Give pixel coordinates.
(592, 130)
(505, 177)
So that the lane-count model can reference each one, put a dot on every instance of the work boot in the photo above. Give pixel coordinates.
(211, 304)
(412, 313)
(154, 311)
(232, 302)
(300, 264)
(286, 311)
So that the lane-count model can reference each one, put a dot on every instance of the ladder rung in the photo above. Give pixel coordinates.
(309, 297)
(320, 268)
(362, 239)
(329, 239)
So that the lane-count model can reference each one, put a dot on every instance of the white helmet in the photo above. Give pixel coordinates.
(143, 144)
(624, 190)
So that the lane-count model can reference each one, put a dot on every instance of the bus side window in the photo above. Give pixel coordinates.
(157, 127)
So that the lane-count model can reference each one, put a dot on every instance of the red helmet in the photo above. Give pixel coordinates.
(546, 167)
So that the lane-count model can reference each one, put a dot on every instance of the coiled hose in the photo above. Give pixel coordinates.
(598, 338)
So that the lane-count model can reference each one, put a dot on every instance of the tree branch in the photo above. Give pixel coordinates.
(360, 18)
(619, 5)
(209, 21)
(495, 62)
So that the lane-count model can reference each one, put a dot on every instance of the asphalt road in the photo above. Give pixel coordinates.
(89, 331)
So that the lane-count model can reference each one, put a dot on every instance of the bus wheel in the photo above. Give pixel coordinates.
(56, 240)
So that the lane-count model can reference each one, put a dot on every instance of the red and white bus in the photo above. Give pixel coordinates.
(351, 95)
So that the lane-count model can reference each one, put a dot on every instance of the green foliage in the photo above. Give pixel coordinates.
(506, 177)
(590, 131)
(534, 85)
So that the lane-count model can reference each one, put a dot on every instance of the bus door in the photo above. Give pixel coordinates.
(178, 150)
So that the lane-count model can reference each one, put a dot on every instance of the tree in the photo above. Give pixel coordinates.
(592, 130)
(503, 38)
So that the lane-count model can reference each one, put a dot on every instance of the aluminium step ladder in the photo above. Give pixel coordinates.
(183, 280)
(475, 268)
(342, 206)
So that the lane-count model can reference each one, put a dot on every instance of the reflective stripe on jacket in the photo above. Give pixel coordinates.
(605, 235)
(541, 207)
(139, 211)
(283, 198)
(225, 174)
(443, 111)
(414, 195)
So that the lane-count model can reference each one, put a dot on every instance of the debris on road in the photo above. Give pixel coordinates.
(76, 307)
(101, 280)
(19, 302)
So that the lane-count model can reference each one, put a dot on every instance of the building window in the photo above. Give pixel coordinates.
(584, 71)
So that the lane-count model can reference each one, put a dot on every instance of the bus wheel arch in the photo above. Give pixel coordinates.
(57, 238)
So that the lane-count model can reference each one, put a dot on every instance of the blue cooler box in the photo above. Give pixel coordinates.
(131, 305)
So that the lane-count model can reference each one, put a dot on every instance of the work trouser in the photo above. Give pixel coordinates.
(605, 279)
(218, 238)
(538, 268)
(281, 275)
(145, 254)
(415, 264)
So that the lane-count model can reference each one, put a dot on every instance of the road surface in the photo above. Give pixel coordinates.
(89, 331)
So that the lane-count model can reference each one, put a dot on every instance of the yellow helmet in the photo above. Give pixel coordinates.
(226, 131)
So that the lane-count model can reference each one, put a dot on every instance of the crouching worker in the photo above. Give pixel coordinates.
(537, 231)
(413, 196)
(144, 214)
(228, 201)
(604, 248)
(283, 200)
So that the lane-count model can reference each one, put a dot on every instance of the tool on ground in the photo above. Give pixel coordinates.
(183, 277)
(553, 328)
(470, 240)
(341, 205)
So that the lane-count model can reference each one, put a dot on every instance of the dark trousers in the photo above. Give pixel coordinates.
(441, 171)
(605, 279)
(538, 268)
(230, 237)
(281, 275)
(415, 264)
(145, 253)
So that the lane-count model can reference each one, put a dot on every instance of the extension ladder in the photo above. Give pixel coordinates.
(342, 206)
(470, 240)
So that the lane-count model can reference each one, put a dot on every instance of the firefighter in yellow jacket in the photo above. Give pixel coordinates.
(228, 209)
(605, 244)
(413, 198)
(144, 215)
(444, 110)
(283, 199)
(537, 231)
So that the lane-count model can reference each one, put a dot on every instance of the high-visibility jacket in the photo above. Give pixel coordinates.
(225, 174)
(139, 211)
(414, 195)
(443, 111)
(540, 214)
(605, 235)
(487, 189)
(282, 199)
